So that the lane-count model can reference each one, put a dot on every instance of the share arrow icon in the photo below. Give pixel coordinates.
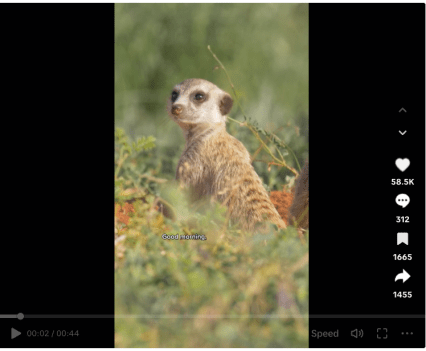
(404, 276)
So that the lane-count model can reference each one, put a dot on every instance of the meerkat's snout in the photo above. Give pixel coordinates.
(177, 109)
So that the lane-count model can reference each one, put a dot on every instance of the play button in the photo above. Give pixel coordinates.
(15, 333)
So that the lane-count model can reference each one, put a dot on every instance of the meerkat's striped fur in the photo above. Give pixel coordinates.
(215, 163)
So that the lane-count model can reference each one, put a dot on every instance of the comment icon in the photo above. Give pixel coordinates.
(402, 200)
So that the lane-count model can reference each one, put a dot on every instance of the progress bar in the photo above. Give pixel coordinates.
(165, 316)
(17, 316)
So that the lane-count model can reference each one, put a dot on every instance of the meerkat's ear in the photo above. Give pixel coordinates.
(225, 104)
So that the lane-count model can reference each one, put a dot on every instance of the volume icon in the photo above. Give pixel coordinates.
(357, 333)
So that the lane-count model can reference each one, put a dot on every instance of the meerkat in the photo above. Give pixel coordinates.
(213, 162)
(299, 210)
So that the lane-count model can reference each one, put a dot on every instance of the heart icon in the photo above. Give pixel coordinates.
(402, 163)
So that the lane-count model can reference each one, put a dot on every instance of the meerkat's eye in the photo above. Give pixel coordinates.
(174, 96)
(199, 97)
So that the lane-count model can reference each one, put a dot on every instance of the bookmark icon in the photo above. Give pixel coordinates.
(402, 238)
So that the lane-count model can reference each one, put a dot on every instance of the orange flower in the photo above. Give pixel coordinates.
(121, 212)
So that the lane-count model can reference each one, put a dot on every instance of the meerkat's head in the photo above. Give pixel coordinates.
(197, 101)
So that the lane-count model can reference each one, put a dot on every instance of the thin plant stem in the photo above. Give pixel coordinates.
(281, 162)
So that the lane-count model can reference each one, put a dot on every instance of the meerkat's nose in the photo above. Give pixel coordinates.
(177, 109)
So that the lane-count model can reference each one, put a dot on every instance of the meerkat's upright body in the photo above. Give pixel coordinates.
(215, 163)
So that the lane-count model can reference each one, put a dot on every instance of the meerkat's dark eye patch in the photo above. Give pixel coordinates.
(175, 95)
(200, 96)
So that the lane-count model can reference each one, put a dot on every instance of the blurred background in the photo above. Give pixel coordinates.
(264, 48)
(233, 289)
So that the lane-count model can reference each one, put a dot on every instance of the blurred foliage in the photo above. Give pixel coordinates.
(131, 175)
(234, 289)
